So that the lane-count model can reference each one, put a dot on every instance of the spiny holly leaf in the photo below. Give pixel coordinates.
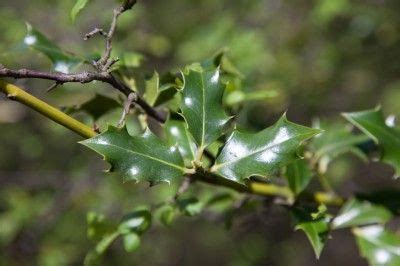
(177, 134)
(356, 212)
(77, 8)
(62, 62)
(334, 141)
(202, 105)
(378, 246)
(298, 175)
(247, 154)
(139, 158)
(315, 226)
(372, 123)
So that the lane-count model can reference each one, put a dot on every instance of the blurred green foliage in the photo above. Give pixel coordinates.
(311, 58)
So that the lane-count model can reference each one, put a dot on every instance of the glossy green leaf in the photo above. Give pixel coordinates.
(334, 141)
(372, 123)
(298, 175)
(77, 8)
(202, 105)
(356, 212)
(131, 242)
(315, 225)
(379, 246)
(139, 158)
(62, 62)
(177, 134)
(261, 154)
(137, 222)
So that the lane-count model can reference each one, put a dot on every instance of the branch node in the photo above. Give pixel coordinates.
(94, 32)
(132, 97)
(55, 85)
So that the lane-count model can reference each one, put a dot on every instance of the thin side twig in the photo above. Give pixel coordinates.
(84, 77)
(104, 63)
(127, 107)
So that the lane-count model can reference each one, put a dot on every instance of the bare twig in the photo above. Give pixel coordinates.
(183, 187)
(55, 85)
(104, 62)
(94, 32)
(84, 77)
(127, 107)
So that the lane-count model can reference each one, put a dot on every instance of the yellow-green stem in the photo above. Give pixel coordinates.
(271, 190)
(19, 95)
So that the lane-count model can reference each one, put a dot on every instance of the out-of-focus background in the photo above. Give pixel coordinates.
(317, 58)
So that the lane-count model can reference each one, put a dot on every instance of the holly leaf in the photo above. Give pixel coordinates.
(298, 175)
(139, 158)
(356, 212)
(372, 123)
(62, 62)
(77, 8)
(334, 141)
(177, 134)
(315, 225)
(202, 105)
(263, 153)
(378, 246)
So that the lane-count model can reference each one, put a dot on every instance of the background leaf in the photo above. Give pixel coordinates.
(334, 141)
(378, 246)
(372, 123)
(356, 212)
(96, 107)
(315, 225)
(62, 62)
(77, 8)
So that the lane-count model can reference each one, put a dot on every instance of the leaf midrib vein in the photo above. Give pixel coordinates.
(147, 156)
